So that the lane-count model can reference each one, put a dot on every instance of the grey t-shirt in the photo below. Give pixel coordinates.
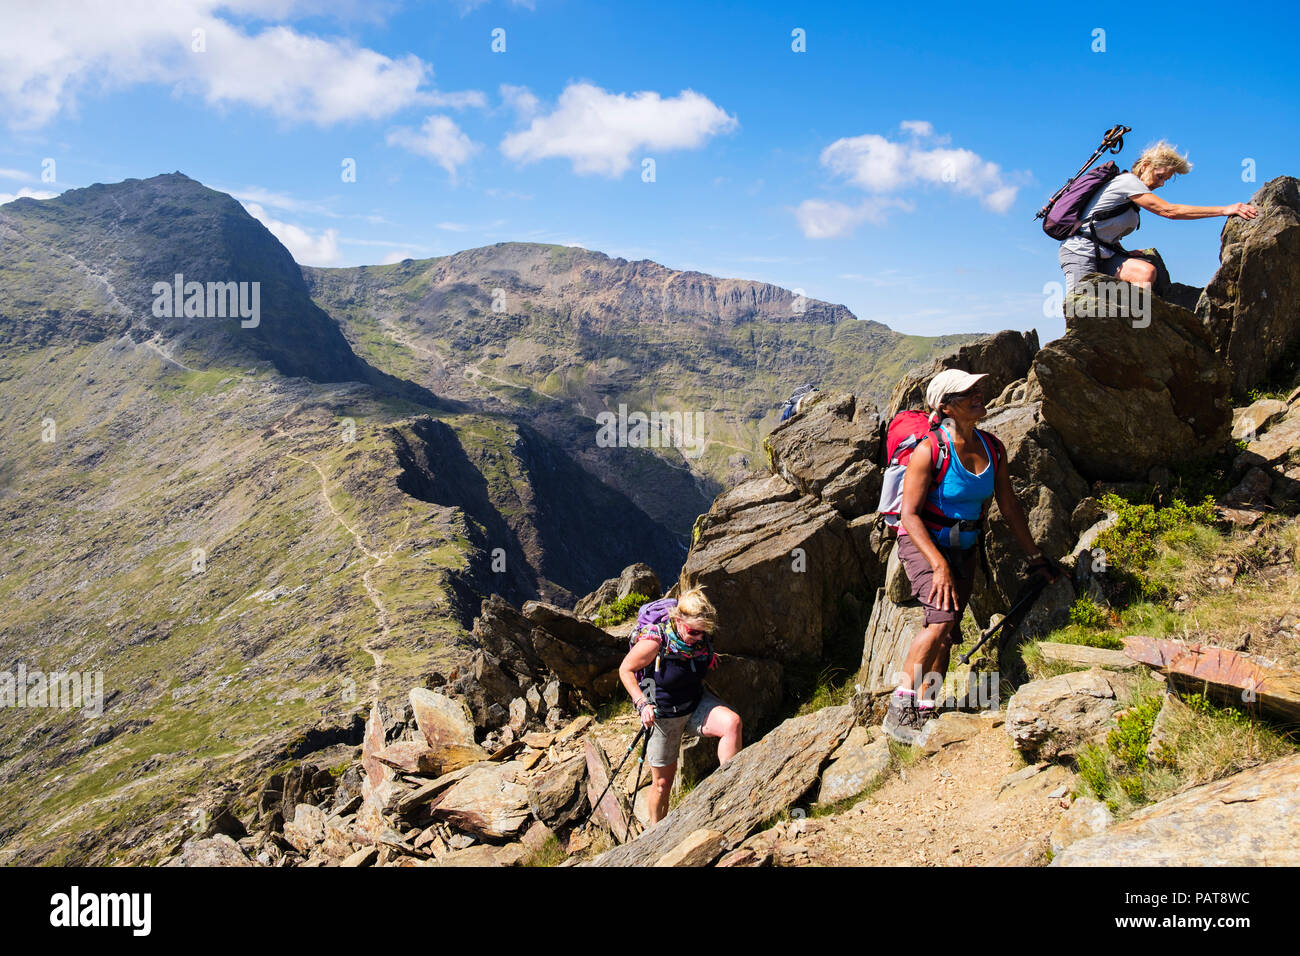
(1115, 193)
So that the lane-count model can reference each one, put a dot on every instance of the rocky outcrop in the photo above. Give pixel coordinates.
(860, 762)
(1252, 305)
(1085, 818)
(1249, 819)
(828, 451)
(755, 785)
(884, 648)
(636, 578)
(1053, 718)
(1004, 357)
(1126, 394)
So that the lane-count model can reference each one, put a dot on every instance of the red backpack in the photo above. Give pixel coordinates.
(907, 430)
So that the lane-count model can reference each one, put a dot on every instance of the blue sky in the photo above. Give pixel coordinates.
(894, 166)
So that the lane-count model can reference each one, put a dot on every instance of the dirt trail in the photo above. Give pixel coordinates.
(381, 614)
(943, 810)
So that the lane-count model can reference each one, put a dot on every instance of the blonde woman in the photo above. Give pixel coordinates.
(664, 672)
(1113, 214)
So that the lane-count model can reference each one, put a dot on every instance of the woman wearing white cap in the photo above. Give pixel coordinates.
(939, 528)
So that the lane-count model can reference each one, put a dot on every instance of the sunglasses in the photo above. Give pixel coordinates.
(692, 631)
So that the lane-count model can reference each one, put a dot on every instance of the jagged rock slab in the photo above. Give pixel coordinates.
(1124, 398)
(1248, 422)
(950, 728)
(884, 646)
(1252, 305)
(859, 763)
(1240, 680)
(1249, 819)
(557, 797)
(699, 849)
(575, 650)
(486, 802)
(608, 812)
(755, 785)
(1086, 817)
(1086, 656)
(636, 578)
(1055, 717)
(448, 727)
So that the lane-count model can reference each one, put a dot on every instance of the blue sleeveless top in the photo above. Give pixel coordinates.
(962, 494)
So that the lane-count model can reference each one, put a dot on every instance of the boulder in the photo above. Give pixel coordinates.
(608, 811)
(860, 762)
(1249, 819)
(557, 797)
(778, 567)
(829, 452)
(751, 686)
(1276, 443)
(755, 785)
(1004, 357)
(699, 849)
(448, 727)
(1053, 718)
(487, 802)
(574, 650)
(411, 756)
(1252, 305)
(1123, 398)
(1086, 817)
(219, 850)
(950, 728)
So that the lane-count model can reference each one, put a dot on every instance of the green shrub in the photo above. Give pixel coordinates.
(1132, 733)
(1085, 612)
(620, 610)
(1131, 543)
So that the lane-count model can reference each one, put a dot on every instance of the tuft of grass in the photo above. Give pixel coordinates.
(833, 687)
(1133, 544)
(620, 610)
(550, 853)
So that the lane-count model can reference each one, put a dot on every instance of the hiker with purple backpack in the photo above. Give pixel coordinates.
(1097, 209)
(943, 473)
(669, 654)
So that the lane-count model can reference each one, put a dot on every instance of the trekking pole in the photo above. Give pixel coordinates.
(639, 765)
(1113, 140)
(1029, 594)
(627, 753)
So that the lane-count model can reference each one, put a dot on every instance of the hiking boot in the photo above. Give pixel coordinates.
(903, 720)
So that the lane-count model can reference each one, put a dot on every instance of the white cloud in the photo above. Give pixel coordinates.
(50, 53)
(393, 257)
(820, 219)
(307, 249)
(453, 226)
(598, 131)
(879, 165)
(457, 101)
(14, 174)
(440, 139)
(25, 193)
(520, 99)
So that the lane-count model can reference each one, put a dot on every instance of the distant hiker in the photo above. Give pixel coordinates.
(664, 672)
(1112, 214)
(795, 403)
(951, 475)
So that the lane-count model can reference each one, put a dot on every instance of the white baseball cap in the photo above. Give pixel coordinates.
(949, 382)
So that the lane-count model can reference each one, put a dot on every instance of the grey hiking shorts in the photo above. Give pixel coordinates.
(1076, 265)
(667, 732)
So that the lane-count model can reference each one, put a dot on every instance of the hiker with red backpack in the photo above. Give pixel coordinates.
(943, 473)
(670, 651)
(1098, 208)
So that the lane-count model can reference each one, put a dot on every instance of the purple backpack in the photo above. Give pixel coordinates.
(1064, 213)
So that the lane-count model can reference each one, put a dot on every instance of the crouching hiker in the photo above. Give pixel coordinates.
(953, 472)
(671, 651)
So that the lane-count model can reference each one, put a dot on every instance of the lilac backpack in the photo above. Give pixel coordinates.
(1064, 214)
